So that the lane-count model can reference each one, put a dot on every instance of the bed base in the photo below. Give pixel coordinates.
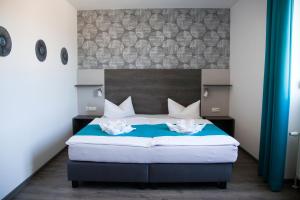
(149, 173)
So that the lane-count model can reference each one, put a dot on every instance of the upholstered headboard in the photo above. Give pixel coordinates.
(150, 88)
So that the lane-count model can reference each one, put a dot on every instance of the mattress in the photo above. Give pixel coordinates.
(182, 149)
(156, 154)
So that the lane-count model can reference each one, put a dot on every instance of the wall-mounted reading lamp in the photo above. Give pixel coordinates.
(206, 86)
(205, 93)
(99, 92)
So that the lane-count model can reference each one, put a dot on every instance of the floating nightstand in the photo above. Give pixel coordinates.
(225, 123)
(81, 121)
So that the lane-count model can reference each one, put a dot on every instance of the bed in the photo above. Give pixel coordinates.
(167, 159)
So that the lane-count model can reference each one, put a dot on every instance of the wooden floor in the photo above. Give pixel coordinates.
(50, 184)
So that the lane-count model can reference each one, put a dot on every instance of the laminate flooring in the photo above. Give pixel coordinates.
(50, 183)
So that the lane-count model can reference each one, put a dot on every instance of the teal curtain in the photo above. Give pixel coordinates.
(276, 94)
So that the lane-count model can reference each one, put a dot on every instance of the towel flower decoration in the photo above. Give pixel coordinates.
(116, 127)
(186, 127)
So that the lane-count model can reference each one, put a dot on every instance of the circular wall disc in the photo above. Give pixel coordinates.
(64, 56)
(5, 42)
(41, 50)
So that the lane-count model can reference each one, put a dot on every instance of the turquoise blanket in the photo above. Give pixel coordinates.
(147, 130)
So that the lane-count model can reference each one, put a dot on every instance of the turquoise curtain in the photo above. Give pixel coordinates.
(276, 94)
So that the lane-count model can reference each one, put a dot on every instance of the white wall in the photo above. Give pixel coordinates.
(294, 121)
(134, 4)
(87, 96)
(218, 97)
(247, 51)
(37, 99)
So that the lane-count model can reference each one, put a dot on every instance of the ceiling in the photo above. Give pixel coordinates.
(127, 4)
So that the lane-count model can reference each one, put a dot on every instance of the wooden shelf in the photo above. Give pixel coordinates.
(88, 85)
(217, 85)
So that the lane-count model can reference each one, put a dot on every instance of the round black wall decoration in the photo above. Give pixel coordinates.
(5, 42)
(64, 56)
(41, 50)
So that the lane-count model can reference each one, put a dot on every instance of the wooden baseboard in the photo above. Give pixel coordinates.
(15, 191)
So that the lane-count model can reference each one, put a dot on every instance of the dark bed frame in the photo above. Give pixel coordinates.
(149, 89)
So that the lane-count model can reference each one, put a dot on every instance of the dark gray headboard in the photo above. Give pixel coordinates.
(150, 88)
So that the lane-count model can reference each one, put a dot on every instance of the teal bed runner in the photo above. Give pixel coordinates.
(150, 130)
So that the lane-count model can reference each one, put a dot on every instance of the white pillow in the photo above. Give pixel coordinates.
(178, 111)
(125, 109)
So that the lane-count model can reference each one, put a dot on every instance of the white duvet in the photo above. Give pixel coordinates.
(213, 140)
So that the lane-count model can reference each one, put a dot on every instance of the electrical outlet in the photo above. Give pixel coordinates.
(214, 109)
(90, 108)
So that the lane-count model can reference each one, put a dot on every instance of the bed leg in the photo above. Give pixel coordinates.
(222, 185)
(75, 184)
(153, 186)
(141, 186)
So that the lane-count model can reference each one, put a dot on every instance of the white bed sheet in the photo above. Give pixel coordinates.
(166, 149)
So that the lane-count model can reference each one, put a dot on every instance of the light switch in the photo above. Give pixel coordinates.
(214, 109)
(90, 108)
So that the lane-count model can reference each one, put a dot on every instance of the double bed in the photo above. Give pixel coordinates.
(153, 159)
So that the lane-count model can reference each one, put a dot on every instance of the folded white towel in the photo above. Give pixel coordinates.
(186, 127)
(116, 127)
